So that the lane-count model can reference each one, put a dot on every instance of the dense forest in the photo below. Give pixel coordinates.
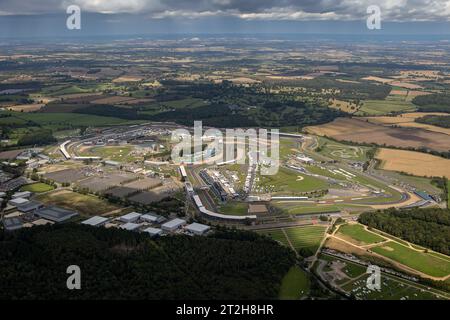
(37, 138)
(227, 106)
(438, 102)
(117, 264)
(440, 121)
(426, 227)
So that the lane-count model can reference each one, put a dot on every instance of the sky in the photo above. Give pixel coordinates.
(47, 18)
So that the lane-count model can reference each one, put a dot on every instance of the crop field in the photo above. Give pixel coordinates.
(57, 120)
(412, 162)
(37, 187)
(85, 204)
(358, 233)
(294, 285)
(407, 120)
(289, 182)
(359, 131)
(381, 107)
(420, 261)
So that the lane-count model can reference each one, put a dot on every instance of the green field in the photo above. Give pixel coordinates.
(115, 153)
(358, 233)
(61, 120)
(306, 237)
(277, 235)
(336, 150)
(382, 107)
(87, 205)
(310, 209)
(37, 187)
(234, 208)
(294, 285)
(420, 261)
(289, 182)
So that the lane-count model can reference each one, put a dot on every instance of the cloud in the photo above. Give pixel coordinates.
(392, 10)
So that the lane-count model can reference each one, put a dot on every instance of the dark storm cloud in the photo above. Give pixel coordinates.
(392, 10)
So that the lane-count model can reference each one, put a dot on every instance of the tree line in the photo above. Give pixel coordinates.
(426, 227)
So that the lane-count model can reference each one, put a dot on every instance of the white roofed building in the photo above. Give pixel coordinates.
(173, 225)
(95, 221)
(198, 228)
(130, 217)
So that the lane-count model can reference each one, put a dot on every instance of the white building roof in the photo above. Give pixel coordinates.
(197, 227)
(130, 216)
(18, 201)
(24, 194)
(95, 221)
(153, 231)
(130, 226)
(173, 224)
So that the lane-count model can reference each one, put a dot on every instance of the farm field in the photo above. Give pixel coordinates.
(289, 182)
(407, 120)
(57, 120)
(87, 205)
(381, 107)
(412, 162)
(360, 131)
(37, 187)
(420, 261)
(294, 285)
(344, 106)
(358, 233)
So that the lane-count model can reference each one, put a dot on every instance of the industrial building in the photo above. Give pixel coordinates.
(198, 229)
(17, 202)
(12, 224)
(153, 232)
(95, 221)
(130, 226)
(173, 225)
(24, 194)
(152, 218)
(29, 206)
(130, 217)
(55, 214)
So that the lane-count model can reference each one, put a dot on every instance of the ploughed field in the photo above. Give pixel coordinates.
(360, 131)
(412, 162)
